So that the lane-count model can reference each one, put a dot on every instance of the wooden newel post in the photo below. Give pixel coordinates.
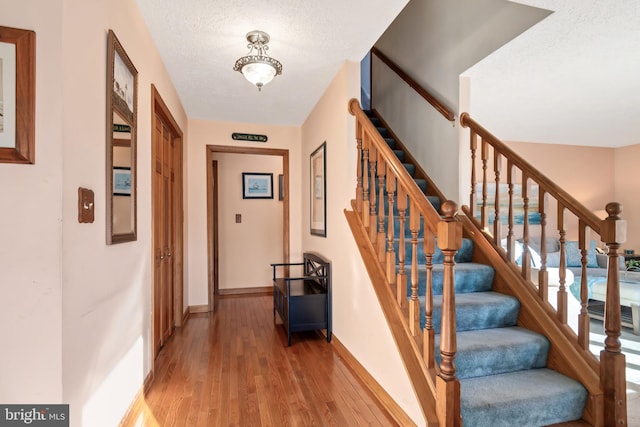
(612, 361)
(359, 162)
(353, 107)
(447, 384)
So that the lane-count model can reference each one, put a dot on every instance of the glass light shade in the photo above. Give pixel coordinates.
(258, 69)
(259, 73)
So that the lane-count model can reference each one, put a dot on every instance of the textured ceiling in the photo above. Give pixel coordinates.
(200, 40)
(574, 78)
(571, 79)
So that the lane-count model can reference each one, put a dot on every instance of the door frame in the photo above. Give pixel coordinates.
(159, 107)
(212, 217)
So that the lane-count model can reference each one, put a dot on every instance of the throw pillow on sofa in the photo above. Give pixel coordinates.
(574, 256)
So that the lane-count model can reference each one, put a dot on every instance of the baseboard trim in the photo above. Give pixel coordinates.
(138, 402)
(185, 316)
(379, 393)
(246, 291)
(147, 382)
(198, 309)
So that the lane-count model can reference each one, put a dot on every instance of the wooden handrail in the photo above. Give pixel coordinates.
(551, 187)
(403, 178)
(448, 114)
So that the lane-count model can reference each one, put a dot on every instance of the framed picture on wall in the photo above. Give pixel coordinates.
(121, 181)
(257, 185)
(318, 180)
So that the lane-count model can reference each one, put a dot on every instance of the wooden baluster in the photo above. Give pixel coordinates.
(429, 341)
(381, 239)
(373, 160)
(526, 255)
(366, 143)
(497, 225)
(511, 240)
(414, 303)
(391, 253)
(562, 290)
(473, 199)
(401, 281)
(612, 360)
(543, 275)
(483, 209)
(447, 383)
(359, 160)
(583, 318)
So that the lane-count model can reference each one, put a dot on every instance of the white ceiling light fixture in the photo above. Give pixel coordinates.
(259, 68)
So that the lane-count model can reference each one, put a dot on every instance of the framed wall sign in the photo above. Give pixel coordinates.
(257, 185)
(17, 95)
(318, 181)
(236, 136)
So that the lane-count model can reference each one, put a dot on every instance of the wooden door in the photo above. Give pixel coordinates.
(164, 232)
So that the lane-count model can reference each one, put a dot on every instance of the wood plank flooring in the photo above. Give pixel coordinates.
(233, 368)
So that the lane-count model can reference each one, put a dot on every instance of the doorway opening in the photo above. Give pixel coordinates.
(213, 235)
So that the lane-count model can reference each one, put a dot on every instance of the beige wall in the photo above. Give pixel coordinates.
(585, 172)
(203, 133)
(106, 289)
(595, 176)
(247, 249)
(357, 318)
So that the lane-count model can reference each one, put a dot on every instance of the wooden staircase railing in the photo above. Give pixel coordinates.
(501, 183)
(425, 94)
(383, 180)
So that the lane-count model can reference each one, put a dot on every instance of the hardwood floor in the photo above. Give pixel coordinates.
(233, 368)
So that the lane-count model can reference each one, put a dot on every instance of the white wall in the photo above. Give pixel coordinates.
(435, 41)
(31, 227)
(357, 316)
(203, 133)
(246, 249)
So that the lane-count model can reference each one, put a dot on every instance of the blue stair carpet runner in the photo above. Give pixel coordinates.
(502, 367)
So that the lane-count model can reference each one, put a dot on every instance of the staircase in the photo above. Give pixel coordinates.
(502, 367)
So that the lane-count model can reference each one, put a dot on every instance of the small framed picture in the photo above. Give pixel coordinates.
(318, 193)
(121, 181)
(257, 185)
(281, 187)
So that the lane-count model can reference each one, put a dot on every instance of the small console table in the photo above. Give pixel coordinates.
(303, 300)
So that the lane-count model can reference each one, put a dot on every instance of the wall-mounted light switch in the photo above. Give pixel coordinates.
(238, 218)
(85, 205)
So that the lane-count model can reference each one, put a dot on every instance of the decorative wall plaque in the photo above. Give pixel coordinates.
(249, 137)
